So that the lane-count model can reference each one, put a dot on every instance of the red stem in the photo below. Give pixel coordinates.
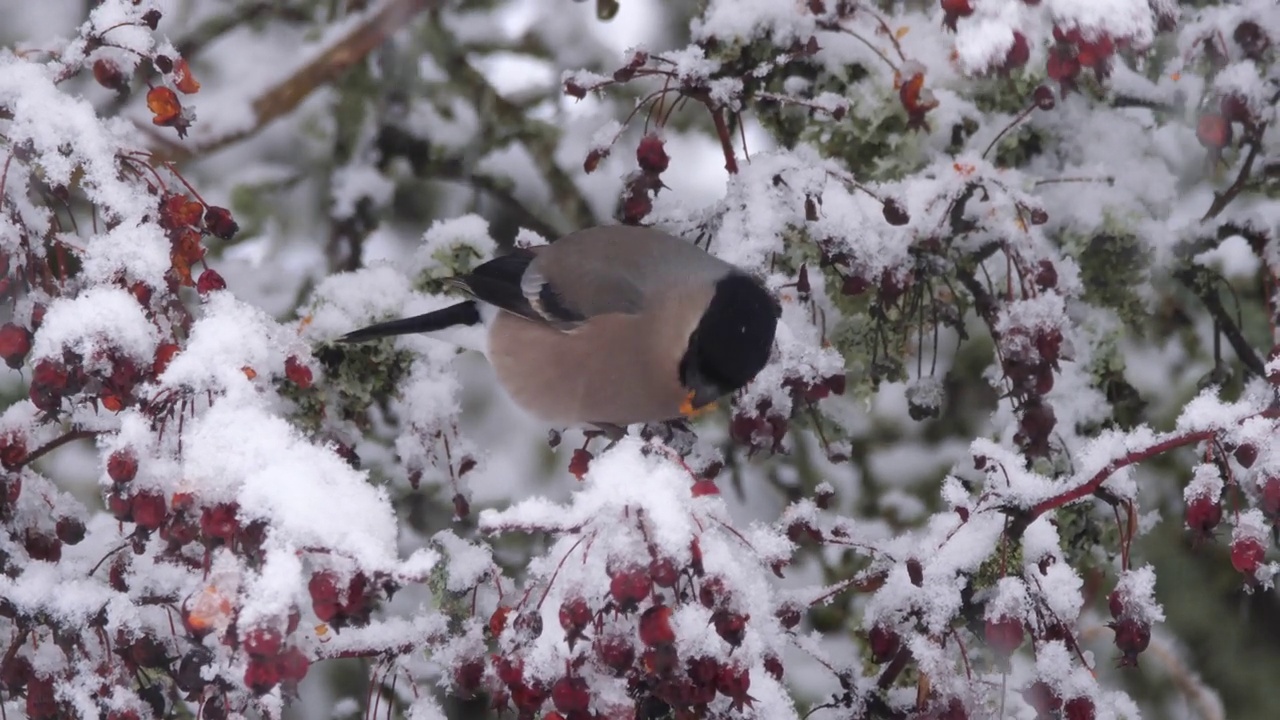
(1137, 456)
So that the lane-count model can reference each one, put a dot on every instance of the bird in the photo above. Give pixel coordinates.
(610, 326)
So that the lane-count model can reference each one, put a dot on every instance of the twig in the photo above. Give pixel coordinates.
(1224, 198)
(1087, 488)
(1190, 277)
(69, 436)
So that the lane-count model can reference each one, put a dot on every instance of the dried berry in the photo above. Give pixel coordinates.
(652, 155)
(1044, 98)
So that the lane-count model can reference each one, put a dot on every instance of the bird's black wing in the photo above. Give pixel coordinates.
(506, 282)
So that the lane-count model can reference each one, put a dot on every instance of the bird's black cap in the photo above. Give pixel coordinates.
(732, 341)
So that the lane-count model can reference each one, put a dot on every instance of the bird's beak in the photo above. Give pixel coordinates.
(697, 403)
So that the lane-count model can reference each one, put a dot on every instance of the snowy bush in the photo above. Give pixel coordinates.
(1024, 250)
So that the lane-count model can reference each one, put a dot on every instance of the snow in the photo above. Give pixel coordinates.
(103, 319)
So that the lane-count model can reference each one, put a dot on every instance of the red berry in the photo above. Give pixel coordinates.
(13, 450)
(655, 626)
(209, 281)
(651, 155)
(293, 665)
(730, 626)
(894, 213)
(570, 695)
(41, 702)
(1019, 53)
(959, 8)
(1235, 109)
(39, 546)
(15, 343)
(1247, 555)
(773, 666)
(1203, 514)
(1132, 637)
(575, 614)
(580, 463)
(616, 652)
(109, 75)
(1042, 698)
(323, 587)
(1116, 604)
(298, 373)
(219, 521)
(1004, 635)
(1270, 502)
(1246, 454)
(164, 354)
(148, 509)
(1044, 98)
(704, 487)
(261, 675)
(263, 642)
(1213, 131)
(629, 587)
(1061, 67)
(884, 642)
(663, 571)
(122, 466)
(1079, 708)
(498, 620)
(70, 530)
(467, 677)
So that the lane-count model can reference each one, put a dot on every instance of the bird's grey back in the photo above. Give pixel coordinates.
(618, 268)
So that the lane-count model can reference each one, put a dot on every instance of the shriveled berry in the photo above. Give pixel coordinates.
(652, 155)
(467, 677)
(1079, 708)
(219, 222)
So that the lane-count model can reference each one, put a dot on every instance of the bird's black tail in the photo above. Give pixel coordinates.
(464, 313)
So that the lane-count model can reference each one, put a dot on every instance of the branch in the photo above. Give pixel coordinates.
(1089, 487)
(1224, 198)
(69, 436)
(1190, 277)
(287, 95)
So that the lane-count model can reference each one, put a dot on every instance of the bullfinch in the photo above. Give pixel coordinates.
(611, 326)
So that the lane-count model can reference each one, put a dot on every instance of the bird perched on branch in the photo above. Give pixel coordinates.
(611, 326)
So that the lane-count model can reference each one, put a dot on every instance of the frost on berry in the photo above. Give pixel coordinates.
(1203, 497)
